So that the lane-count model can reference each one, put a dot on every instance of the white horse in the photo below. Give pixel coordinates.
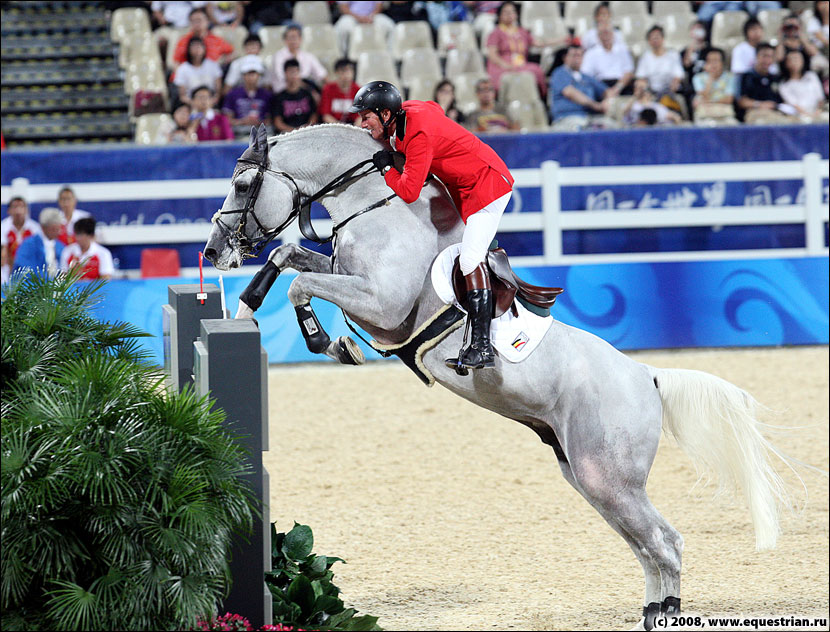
(599, 410)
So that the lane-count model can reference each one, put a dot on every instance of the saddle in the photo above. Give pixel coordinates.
(507, 287)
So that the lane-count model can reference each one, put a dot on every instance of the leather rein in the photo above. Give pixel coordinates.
(301, 207)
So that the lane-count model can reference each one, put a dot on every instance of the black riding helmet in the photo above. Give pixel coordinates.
(377, 96)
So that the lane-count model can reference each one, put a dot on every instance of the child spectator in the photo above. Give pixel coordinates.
(295, 106)
(216, 48)
(181, 130)
(248, 104)
(42, 250)
(801, 88)
(13, 230)
(71, 214)
(210, 124)
(338, 95)
(196, 71)
(635, 112)
(95, 259)
(445, 97)
(252, 46)
(489, 117)
(310, 67)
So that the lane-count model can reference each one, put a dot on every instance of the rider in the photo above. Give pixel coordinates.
(478, 181)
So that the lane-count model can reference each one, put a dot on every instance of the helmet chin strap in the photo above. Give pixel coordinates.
(386, 124)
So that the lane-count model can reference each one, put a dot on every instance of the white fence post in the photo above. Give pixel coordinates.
(814, 226)
(551, 207)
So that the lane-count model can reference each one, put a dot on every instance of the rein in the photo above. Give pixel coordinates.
(301, 207)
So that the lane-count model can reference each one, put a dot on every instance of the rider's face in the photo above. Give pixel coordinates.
(370, 121)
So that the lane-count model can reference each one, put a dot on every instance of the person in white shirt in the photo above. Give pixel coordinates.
(609, 62)
(252, 46)
(661, 66)
(71, 214)
(176, 14)
(95, 260)
(743, 55)
(310, 66)
(13, 230)
(802, 90)
(197, 71)
(818, 26)
(602, 19)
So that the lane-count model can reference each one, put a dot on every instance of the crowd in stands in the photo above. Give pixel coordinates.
(62, 239)
(597, 71)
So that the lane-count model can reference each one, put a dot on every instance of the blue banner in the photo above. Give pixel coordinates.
(632, 306)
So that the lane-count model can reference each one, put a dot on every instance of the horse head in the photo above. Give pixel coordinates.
(255, 210)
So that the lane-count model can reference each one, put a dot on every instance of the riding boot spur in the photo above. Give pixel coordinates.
(479, 353)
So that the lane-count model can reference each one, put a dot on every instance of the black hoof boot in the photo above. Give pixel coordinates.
(316, 338)
(670, 606)
(650, 613)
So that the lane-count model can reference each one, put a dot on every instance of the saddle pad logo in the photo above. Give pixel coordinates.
(520, 341)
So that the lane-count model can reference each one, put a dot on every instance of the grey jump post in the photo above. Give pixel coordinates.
(225, 358)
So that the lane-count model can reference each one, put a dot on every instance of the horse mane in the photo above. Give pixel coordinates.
(302, 131)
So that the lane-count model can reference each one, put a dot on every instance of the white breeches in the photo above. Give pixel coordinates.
(479, 233)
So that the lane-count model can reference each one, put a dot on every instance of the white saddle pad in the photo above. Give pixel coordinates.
(513, 337)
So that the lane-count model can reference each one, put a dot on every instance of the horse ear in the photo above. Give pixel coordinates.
(252, 139)
(261, 138)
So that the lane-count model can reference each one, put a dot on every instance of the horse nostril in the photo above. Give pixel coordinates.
(210, 254)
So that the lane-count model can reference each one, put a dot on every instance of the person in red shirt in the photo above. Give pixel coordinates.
(95, 260)
(13, 230)
(218, 49)
(478, 181)
(338, 95)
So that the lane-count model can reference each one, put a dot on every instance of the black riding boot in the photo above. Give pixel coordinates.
(479, 354)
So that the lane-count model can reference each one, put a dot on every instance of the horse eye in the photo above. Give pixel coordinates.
(241, 186)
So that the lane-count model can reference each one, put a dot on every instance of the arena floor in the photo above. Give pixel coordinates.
(453, 518)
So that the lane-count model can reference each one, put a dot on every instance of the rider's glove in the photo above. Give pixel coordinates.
(383, 160)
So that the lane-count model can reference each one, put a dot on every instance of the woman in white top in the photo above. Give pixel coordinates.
(818, 27)
(602, 19)
(799, 89)
(661, 66)
(197, 71)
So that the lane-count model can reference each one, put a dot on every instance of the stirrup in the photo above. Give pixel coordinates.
(455, 365)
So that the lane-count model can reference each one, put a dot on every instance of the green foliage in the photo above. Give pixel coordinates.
(119, 499)
(301, 585)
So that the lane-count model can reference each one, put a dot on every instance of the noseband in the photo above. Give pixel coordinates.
(301, 206)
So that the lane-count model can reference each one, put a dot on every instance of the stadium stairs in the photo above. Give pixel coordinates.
(61, 83)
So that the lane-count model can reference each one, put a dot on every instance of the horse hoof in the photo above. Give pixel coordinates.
(348, 352)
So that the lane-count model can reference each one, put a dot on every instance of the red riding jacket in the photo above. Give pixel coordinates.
(472, 172)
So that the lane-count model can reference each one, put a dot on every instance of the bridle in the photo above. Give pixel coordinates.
(301, 206)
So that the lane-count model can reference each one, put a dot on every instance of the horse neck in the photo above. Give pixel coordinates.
(316, 156)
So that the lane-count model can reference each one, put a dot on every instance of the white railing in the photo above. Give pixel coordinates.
(551, 178)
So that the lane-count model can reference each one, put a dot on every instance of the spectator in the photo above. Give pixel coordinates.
(444, 96)
(310, 67)
(707, 10)
(759, 98)
(196, 71)
(43, 250)
(338, 95)
(209, 124)
(259, 14)
(644, 109)
(181, 130)
(508, 46)
(801, 88)
(252, 46)
(602, 19)
(13, 230)
(95, 259)
(248, 104)
(714, 88)
(439, 13)
(490, 117)
(818, 29)
(71, 214)
(793, 38)
(354, 13)
(225, 13)
(175, 14)
(693, 55)
(661, 66)
(577, 99)
(216, 48)
(400, 11)
(610, 62)
(295, 106)
(743, 55)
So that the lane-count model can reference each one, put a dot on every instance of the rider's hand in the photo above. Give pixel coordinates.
(383, 159)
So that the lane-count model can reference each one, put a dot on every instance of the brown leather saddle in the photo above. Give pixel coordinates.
(506, 286)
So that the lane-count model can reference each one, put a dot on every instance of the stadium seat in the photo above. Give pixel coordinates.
(159, 262)
(662, 8)
(422, 88)
(147, 128)
(676, 29)
(328, 58)
(634, 8)
(464, 60)
(531, 115)
(727, 29)
(578, 9)
(465, 90)
(420, 62)
(236, 36)
(484, 23)
(307, 12)
(456, 36)
(271, 37)
(539, 9)
(518, 86)
(365, 37)
(375, 65)
(547, 28)
(410, 35)
(128, 20)
(318, 38)
(173, 34)
(634, 30)
(771, 20)
(484, 34)
(581, 25)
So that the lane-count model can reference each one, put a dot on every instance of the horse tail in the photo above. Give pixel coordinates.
(715, 423)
